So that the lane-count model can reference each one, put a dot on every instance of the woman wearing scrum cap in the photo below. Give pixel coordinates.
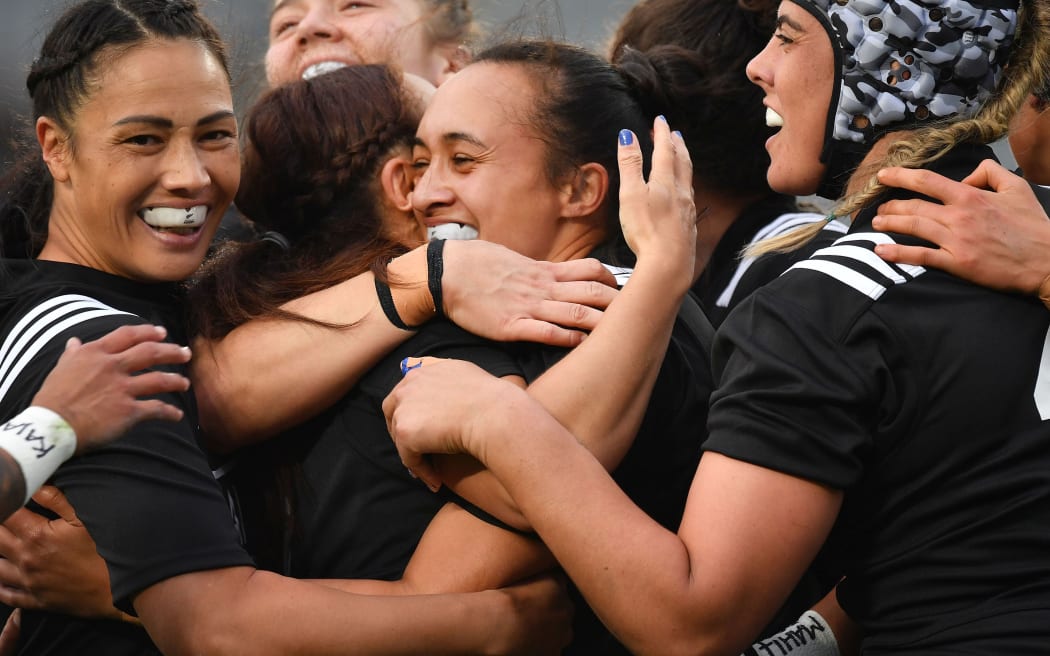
(859, 404)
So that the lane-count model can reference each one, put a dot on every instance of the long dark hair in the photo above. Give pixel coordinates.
(312, 153)
(84, 38)
(698, 50)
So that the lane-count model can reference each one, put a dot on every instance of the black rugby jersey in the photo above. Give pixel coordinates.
(925, 399)
(729, 278)
(148, 499)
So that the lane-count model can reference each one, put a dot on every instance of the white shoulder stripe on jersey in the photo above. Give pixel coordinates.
(863, 255)
(39, 326)
(782, 224)
(846, 275)
(844, 248)
(882, 238)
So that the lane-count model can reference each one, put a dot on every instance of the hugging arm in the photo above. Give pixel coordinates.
(600, 390)
(487, 289)
(991, 228)
(659, 592)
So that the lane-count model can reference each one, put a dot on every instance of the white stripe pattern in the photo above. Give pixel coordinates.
(39, 326)
(863, 283)
(783, 223)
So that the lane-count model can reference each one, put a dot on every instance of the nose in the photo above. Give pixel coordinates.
(432, 191)
(758, 69)
(317, 24)
(185, 172)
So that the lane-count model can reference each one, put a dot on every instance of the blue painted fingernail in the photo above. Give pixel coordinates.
(626, 137)
(679, 134)
(405, 367)
(662, 118)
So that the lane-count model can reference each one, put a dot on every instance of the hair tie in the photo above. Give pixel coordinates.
(275, 237)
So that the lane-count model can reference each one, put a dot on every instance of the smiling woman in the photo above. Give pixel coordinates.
(137, 161)
(424, 37)
(140, 189)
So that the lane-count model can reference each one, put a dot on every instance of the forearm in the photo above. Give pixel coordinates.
(267, 614)
(696, 592)
(617, 364)
(460, 553)
(242, 381)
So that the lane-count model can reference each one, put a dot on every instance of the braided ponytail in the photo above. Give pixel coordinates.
(313, 151)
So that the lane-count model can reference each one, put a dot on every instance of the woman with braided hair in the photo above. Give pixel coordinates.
(860, 407)
(324, 181)
(137, 135)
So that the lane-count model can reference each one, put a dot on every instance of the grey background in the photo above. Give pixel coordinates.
(244, 25)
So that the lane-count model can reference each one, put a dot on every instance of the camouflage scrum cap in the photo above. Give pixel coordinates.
(902, 63)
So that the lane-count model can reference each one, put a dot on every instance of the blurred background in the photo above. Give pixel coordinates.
(244, 25)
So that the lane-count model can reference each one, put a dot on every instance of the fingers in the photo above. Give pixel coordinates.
(154, 409)
(587, 268)
(11, 633)
(20, 526)
(917, 255)
(992, 175)
(156, 382)
(150, 354)
(17, 598)
(683, 167)
(541, 332)
(126, 337)
(916, 223)
(13, 588)
(632, 181)
(51, 497)
(664, 156)
(924, 182)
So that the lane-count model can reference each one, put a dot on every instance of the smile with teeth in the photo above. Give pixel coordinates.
(321, 68)
(452, 231)
(773, 119)
(183, 221)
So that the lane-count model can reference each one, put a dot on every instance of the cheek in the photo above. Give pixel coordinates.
(277, 64)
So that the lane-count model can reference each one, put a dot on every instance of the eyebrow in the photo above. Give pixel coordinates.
(451, 137)
(161, 122)
(463, 136)
(786, 20)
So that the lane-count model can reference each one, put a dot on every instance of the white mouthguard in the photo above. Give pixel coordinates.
(172, 217)
(452, 231)
(773, 119)
(321, 68)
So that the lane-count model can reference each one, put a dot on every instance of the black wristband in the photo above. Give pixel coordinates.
(435, 269)
(386, 301)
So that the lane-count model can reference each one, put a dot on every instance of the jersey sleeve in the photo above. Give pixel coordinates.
(800, 399)
(148, 499)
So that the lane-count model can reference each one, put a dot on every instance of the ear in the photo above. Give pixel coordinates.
(54, 146)
(453, 57)
(397, 178)
(585, 191)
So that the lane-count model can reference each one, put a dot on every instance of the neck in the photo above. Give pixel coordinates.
(716, 212)
(577, 240)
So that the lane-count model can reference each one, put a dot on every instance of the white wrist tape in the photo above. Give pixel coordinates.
(40, 441)
(809, 636)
